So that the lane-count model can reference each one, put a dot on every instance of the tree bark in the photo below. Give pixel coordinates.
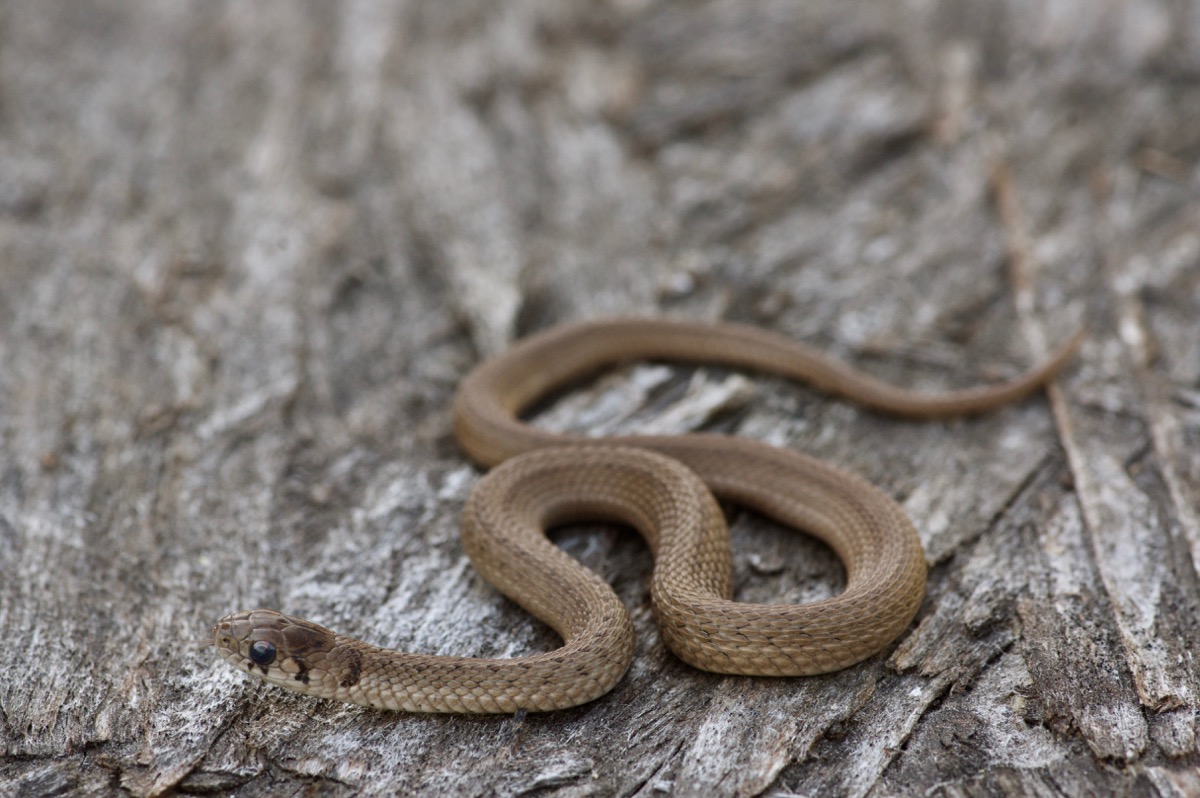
(247, 251)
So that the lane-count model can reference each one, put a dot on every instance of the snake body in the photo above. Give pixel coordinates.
(660, 486)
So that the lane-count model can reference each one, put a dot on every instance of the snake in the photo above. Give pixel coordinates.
(666, 487)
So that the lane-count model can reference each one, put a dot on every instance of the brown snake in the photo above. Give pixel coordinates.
(657, 485)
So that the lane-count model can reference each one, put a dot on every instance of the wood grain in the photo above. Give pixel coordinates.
(248, 251)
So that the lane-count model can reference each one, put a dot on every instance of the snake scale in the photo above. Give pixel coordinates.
(663, 487)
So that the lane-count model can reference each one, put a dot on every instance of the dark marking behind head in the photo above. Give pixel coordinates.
(353, 668)
(302, 674)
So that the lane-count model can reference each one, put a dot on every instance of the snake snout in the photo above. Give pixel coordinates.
(227, 637)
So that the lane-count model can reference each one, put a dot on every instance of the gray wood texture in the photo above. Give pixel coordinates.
(247, 251)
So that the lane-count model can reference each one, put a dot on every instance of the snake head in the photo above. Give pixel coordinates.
(281, 649)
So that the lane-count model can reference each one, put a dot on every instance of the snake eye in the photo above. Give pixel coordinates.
(263, 653)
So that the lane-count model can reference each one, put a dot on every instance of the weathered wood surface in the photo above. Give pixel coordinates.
(248, 250)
